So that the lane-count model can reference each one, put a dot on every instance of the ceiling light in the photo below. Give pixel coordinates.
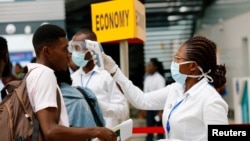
(184, 9)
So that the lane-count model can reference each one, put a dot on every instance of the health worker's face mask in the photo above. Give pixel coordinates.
(175, 72)
(79, 58)
(181, 78)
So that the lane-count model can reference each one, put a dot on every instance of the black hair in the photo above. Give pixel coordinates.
(3, 48)
(203, 51)
(19, 65)
(219, 76)
(63, 76)
(88, 32)
(45, 35)
(33, 60)
(4, 55)
(7, 69)
(158, 64)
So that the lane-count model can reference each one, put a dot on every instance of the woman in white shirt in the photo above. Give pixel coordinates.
(191, 103)
(154, 80)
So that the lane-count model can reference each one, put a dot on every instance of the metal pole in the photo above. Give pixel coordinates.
(124, 57)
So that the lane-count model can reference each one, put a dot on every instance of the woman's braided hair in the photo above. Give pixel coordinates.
(219, 76)
(203, 51)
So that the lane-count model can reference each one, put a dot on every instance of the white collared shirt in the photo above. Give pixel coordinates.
(112, 102)
(153, 82)
(42, 85)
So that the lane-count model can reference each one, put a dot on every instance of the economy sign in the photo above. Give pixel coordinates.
(119, 20)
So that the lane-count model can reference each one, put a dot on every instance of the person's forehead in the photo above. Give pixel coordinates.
(149, 63)
(181, 50)
(79, 37)
(63, 41)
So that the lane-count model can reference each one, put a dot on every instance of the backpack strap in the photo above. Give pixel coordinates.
(96, 117)
(23, 82)
(33, 121)
(35, 130)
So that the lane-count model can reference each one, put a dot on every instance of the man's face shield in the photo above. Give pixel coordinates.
(78, 46)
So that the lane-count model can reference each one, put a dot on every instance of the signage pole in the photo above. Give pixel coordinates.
(124, 57)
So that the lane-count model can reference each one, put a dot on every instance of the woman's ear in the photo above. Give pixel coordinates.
(193, 66)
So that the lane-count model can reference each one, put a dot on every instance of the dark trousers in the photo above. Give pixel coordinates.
(150, 117)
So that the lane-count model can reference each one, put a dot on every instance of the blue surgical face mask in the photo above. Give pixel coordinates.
(181, 78)
(79, 59)
(176, 75)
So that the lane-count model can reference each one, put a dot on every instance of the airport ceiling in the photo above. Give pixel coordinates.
(159, 13)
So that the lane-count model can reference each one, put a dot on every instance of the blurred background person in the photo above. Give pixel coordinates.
(8, 74)
(4, 58)
(154, 80)
(5, 64)
(18, 71)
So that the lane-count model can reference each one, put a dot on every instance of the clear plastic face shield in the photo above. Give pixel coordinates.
(77, 46)
(81, 55)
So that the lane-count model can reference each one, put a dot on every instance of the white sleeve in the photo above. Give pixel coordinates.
(161, 82)
(118, 106)
(41, 86)
(154, 100)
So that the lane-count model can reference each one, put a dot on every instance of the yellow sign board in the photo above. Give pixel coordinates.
(119, 20)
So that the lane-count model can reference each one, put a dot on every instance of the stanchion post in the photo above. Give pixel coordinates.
(124, 61)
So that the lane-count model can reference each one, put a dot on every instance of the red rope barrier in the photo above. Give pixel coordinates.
(143, 130)
(152, 130)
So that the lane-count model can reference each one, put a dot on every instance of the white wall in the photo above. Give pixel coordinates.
(19, 42)
(37, 10)
(229, 36)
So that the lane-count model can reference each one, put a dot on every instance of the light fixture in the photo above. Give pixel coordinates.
(27, 29)
(184, 9)
(10, 29)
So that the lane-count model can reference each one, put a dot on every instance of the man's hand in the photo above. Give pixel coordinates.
(105, 134)
(54, 132)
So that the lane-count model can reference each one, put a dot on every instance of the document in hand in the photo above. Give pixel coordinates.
(124, 130)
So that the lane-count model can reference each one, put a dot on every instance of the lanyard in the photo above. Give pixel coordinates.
(170, 113)
(88, 79)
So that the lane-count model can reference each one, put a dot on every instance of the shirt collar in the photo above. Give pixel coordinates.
(197, 87)
(37, 65)
(95, 69)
